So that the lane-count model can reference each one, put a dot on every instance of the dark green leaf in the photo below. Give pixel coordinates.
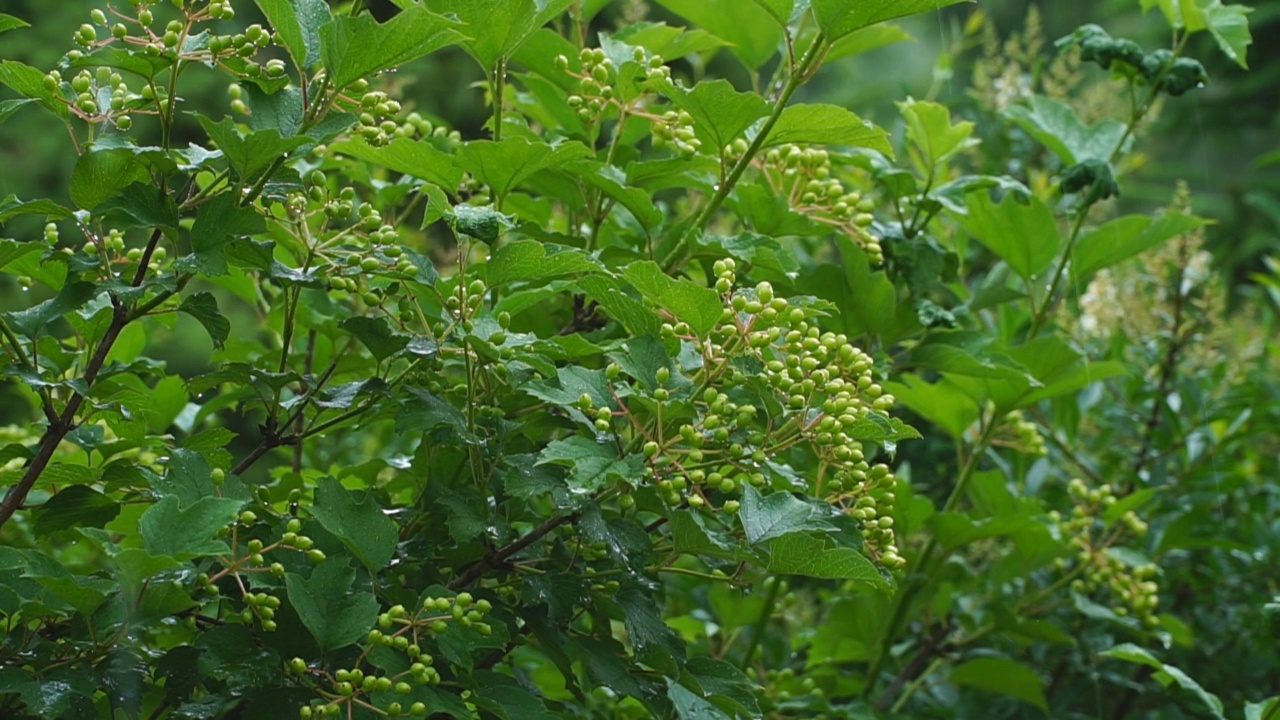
(29, 82)
(11, 207)
(531, 260)
(481, 222)
(329, 607)
(31, 321)
(820, 556)
(203, 307)
(376, 334)
(251, 153)
(504, 165)
(9, 107)
(298, 22)
(777, 514)
(75, 506)
(1003, 676)
(218, 222)
(1055, 124)
(140, 204)
(99, 174)
(184, 533)
(691, 707)
(356, 518)
(356, 47)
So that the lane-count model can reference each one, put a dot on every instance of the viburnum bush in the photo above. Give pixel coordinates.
(663, 396)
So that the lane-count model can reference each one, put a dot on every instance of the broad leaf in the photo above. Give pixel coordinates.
(698, 306)
(184, 533)
(418, 158)
(1125, 237)
(827, 125)
(298, 22)
(838, 18)
(754, 33)
(1023, 234)
(356, 47)
(1056, 125)
(203, 307)
(99, 174)
(329, 607)
(530, 261)
(495, 29)
(357, 520)
(1003, 676)
(504, 165)
(720, 113)
(819, 556)
(780, 513)
(1166, 674)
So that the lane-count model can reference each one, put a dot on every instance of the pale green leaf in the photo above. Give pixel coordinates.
(1057, 126)
(752, 32)
(356, 47)
(1166, 674)
(1125, 237)
(827, 125)
(700, 307)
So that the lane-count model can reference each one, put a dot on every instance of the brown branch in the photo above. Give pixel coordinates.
(497, 557)
(58, 429)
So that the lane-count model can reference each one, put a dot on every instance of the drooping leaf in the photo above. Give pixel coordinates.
(75, 506)
(530, 261)
(1167, 674)
(298, 22)
(29, 83)
(819, 556)
(1125, 237)
(691, 707)
(218, 222)
(9, 22)
(1057, 126)
(203, 306)
(1229, 25)
(376, 334)
(31, 321)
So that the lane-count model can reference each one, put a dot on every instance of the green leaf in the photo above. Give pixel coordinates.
(780, 10)
(141, 204)
(700, 307)
(251, 153)
(613, 183)
(691, 536)
(29, 83)
(504, 165)
(1268, 709)
(1125, 237)
(9, 107)
(185, 533)
(1003, 676)
(1023, 234)
(1055, 124)
(188, 477)
(75, 506)
(655, 643)
(777, 514)
(725, 685)
(754, 33)
(838, 18)
(203, 307)
(218, 222)
(495, 29)
(376, 334)
(357, 520)
(335, 615)
(9, 22)
(1166, 674)
(11, 207)
(867, 39)
(356, 47)
(31, 321)
(298, 22)
(531, 260)
(720, 113)
(418, 158)
(592, 466)
(820, 556)
(933, 137)
(691, 707)
(827, 125)
(99, 174)
(424, 412)
(1229, 26)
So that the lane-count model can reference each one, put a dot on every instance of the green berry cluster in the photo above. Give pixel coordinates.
(86, 91)
(595, 83)
(675, 128)
(820, 391)
(1132, 587)
(805, 176)
(1021, 435)
(1159, 68)
(401, 631)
